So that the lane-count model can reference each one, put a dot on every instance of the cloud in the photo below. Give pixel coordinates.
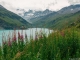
(74, 1)
(58, 5)
(12, 5)
(27, 4)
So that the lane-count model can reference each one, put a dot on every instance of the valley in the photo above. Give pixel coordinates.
(38, 30)
(47, 19)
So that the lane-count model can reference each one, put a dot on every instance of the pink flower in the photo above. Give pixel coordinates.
(21, 37)
(14, 38)
(18, 35)
(9, 43)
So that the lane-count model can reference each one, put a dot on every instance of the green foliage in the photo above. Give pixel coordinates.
(59, 45)
(10, 20)
(58, 22)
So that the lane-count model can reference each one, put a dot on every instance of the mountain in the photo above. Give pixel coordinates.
(65, 21)
(70, 9)
(10, 20)
(55, 18)
(31, 14)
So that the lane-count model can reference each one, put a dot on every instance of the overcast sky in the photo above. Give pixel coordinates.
(37, 4)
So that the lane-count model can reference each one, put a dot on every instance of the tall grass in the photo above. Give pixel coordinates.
(60, 45)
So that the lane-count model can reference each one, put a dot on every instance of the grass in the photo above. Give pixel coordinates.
(59, 45)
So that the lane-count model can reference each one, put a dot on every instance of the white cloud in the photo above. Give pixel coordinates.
(59, 4)
(27, 4)
(74, 1)
(12, 5)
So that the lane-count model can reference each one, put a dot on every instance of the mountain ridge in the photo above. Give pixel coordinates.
(10, 20)
(30, 15)
(56, 17)
(27, 15)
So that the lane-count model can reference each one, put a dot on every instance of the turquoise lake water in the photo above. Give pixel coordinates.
(29, 32)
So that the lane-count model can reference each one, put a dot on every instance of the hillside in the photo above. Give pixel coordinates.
(65, 21)
(62, 22)
(58, 19)
(9, 20)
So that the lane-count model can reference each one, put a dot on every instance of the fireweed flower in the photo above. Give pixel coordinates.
(9, 43)
(21, 37)
(14, 36)
(18, 35)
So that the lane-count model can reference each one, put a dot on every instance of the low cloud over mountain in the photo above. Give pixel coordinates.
(12, 5)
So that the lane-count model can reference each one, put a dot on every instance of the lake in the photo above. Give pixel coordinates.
(29, 32)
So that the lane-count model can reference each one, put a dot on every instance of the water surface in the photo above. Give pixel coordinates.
(29, 32)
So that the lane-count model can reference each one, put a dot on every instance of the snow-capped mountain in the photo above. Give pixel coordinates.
(27, 15)
(30, 14)
(70, 9)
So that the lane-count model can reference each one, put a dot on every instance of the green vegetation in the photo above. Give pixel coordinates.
(58, 22)
(10, 20)
(59, 45)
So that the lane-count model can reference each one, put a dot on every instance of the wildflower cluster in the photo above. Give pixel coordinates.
(59, 45)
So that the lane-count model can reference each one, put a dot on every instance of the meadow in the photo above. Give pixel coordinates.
(59, 45)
